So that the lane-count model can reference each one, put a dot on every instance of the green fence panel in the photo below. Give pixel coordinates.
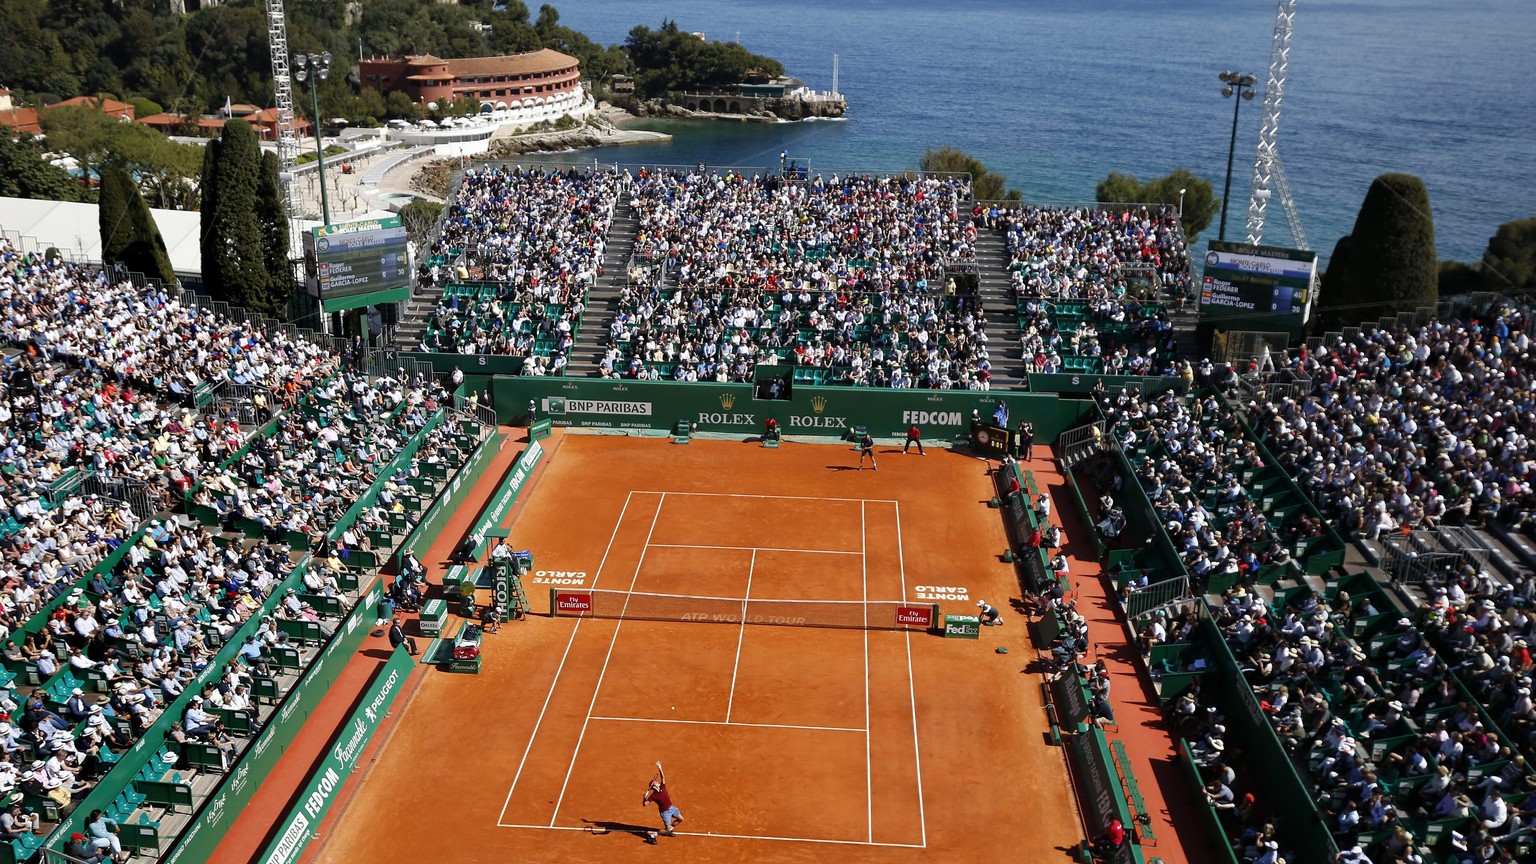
(237, 787)
(299, 823)
(733, 409)
(479, 364)
(1080, 384)
(512, 486)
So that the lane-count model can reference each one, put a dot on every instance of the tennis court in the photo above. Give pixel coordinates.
(732, 612)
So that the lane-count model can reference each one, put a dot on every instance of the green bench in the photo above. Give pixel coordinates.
(326, 605)
(305, 632)
(1139, 814)
(286, 657)
(167, 795)
(459, 573)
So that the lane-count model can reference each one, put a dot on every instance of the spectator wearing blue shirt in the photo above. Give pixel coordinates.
(103, 833)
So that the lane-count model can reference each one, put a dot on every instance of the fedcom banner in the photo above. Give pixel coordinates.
(299, 825)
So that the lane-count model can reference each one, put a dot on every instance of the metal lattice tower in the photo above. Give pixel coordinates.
(1268, 176)
(287, 132)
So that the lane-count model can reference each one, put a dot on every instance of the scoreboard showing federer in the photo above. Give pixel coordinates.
(366, 257)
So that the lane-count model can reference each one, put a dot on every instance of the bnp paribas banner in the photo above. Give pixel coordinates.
(1257, 287)
(734, 408)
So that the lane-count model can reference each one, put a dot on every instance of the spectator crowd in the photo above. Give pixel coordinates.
(537, 237)
(110, 386)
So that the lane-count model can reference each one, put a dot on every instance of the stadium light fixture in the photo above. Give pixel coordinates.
(1239, 84)
(320, 65)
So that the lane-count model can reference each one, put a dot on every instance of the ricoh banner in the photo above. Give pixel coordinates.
(817, 411)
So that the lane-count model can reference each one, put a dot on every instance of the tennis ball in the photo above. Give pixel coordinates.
(674, 707)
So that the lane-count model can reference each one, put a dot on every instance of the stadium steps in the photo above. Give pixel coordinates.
(1517, 550)
(1002, 314)
(603, 299)
(414, 317)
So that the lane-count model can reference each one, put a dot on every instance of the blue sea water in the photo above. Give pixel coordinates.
(1057, 93)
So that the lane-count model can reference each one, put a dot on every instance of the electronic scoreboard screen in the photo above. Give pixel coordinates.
(355, 258)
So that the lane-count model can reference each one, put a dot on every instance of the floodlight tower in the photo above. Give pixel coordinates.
(1268, 174)
(287, 132)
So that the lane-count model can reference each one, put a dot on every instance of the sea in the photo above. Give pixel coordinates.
(1057, 93)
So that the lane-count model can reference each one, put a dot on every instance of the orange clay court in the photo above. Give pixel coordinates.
(780, 743)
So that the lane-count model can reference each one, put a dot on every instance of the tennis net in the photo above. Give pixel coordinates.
(843, 614)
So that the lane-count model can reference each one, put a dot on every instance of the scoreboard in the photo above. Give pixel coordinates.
(354, 259)
(1257, 287)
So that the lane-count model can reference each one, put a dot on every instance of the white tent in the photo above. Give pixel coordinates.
(73, 229)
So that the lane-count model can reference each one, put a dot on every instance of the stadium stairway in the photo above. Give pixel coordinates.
(1002, 314)
(414, 317)
(603, 300)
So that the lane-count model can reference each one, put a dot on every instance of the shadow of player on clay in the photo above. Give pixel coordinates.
(643, 833)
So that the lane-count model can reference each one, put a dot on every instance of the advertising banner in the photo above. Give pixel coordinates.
(915, 616)
(828, 412)
(572, 601)
(299, 824)
(962, 627)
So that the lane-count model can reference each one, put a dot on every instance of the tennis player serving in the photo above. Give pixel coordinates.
(656, 793)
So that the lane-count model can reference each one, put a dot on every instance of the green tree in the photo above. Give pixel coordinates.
(234, 253)
(1510, 261)
(670, 59)
(398, 105)
(166, 171)
(986, 185)
(25, 173)
(419, 218)
(1199, 201)
(1118, 188)
(129, 235)
(273, 214)
(1390, 265)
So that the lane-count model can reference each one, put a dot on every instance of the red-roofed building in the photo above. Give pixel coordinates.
(28, 120)
(263, 121)
(507, 81)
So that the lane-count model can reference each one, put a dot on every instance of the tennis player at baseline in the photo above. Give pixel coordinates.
(656, 793)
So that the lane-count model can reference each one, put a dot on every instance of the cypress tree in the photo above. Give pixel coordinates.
(208, 242)
(1392, 265)
(274, 219)
(129, 235)
(112, 215)
(234, 247)
(1333, 293)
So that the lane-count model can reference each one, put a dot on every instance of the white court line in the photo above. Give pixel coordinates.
(741, 636)
(779, 497)
(596, 575)
(917, 758)
(606, 657)
(869, 771)
(719, 723)
(734, 836)
(757, 549)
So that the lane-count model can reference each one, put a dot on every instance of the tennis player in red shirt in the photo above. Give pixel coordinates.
(656, 793)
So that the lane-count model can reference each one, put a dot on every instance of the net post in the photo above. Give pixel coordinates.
(938, 624)
(554, 607)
